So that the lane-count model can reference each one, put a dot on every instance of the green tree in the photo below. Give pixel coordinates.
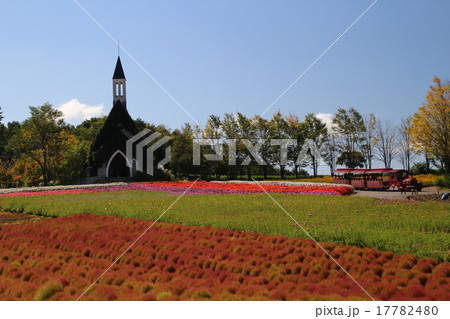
(181, 155)
(263, 132)
(351, 159)
(141, 124)
(230, 129)
(247, 131)
(89, 129)
(213, 132)
(330, 150)
(349, 125)
(3, 139)
(7, 155)
(72, 159)
(85, 135)
(279, 128)
(42, 139)
(316, 134)
(296, 131)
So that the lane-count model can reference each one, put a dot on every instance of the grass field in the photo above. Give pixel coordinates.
(419, 228)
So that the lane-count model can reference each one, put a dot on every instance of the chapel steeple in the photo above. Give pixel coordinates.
(119, 84)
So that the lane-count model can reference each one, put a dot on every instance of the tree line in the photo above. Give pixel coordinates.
(353, 141)
(43, 149)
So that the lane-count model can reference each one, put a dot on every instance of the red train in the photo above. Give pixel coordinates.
(378, 179)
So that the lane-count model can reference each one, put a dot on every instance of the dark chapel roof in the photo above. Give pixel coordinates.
(118, 128)
(118, 72)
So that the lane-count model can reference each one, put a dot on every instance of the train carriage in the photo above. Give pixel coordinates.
(378, 179)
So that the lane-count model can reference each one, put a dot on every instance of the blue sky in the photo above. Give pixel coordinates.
(222, 56)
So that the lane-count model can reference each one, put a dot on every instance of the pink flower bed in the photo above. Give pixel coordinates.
(207, 187)
(199, 188)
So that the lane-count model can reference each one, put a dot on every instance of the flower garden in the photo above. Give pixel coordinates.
(249, 187)
(203, 188)
(229, 241)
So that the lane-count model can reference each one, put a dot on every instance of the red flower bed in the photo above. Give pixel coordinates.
(49, 192)
(198, 188)
(255, 188)
(57, 259)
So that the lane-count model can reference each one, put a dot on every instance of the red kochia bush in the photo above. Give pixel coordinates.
(174, 262)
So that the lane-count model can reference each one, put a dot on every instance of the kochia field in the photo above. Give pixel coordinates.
(58, 259)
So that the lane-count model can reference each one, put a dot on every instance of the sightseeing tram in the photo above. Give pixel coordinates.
(378, 179)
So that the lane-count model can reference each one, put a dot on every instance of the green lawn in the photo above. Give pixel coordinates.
(420, 228)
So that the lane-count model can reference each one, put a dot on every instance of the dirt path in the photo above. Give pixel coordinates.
(8, 218)
(427, 192)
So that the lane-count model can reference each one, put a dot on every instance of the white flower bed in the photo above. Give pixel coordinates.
(56, 188)
(286, 183)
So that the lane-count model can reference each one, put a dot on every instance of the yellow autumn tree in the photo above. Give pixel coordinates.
(430, 127)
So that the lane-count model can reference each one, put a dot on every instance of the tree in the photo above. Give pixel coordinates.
(72, 159)
(430, 127)
(140, 124)
(214, 133)
(369, 140)
(351, 159)
(349, 125)
(89, 129)
(3, 139)
(43, 140)
(279, 128)
(6, 133)
(330, 150)
(316, 133)
(181, 155)
(405, 153)
(24, 171)
(386, 148)
(4, 176)
(247, 134)
(230, 129)
(263, 133)
(296, 131)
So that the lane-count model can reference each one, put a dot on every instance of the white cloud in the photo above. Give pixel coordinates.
(326, 118)
(74, 111)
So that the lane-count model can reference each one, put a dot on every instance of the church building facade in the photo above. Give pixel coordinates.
(107, 158)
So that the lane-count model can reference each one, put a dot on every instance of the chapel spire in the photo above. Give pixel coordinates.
(119, 84)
